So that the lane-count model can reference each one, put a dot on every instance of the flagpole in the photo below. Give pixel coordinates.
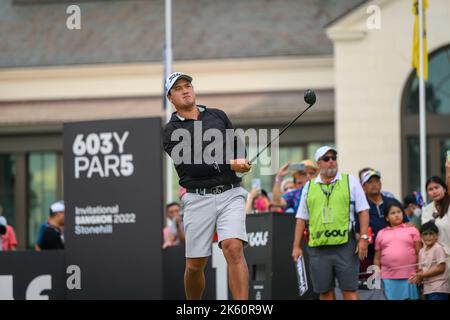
(168, 105)
(422, 111)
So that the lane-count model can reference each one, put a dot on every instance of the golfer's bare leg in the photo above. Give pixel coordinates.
(350, 295)
(328, 295)
(233, 250)
(194, 277)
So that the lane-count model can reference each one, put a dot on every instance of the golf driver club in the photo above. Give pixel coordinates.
(310, 98)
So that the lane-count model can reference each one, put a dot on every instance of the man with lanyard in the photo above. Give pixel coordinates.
(214, 198)
(330, 203)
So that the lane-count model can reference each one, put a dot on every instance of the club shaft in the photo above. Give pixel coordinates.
(278, 136)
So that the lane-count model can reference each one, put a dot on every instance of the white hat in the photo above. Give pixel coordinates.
(3, 221)
(369, 174)
(170, 81)
(57, 207)
(2, 227)
(322, 151)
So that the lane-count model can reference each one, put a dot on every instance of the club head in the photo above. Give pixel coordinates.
(310, 97)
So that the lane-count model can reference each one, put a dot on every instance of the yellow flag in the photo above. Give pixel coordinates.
(415, 50)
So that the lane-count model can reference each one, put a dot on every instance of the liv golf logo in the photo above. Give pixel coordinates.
(214, 148)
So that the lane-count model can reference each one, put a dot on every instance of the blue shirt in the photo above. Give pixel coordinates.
(292, 199)
(41, 232)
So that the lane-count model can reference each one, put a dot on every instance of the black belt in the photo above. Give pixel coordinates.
(214, 190)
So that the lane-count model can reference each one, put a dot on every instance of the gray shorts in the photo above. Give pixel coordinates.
(329, 262)
(203, 214)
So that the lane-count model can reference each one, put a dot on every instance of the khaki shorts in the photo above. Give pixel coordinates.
(203, 214)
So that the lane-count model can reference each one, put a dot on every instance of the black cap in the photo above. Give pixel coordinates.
(429, 226)
(410, 199)
(264, 192)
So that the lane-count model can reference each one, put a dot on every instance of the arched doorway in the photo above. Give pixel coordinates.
(437, 121)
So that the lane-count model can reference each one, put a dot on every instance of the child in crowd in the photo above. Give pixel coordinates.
(432, 271)
(396, 249)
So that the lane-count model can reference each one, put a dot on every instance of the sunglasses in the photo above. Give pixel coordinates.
(328, 158)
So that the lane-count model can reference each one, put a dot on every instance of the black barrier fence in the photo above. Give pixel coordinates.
(27, 275)
(272, 271)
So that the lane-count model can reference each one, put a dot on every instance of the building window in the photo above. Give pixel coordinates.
(437, 122)
(7, 187)
(437, 86)
(42, 190)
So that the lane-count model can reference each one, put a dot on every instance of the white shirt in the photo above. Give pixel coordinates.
(358, 198)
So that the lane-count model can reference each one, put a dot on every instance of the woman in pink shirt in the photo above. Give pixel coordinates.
(9, 241)
(396, 250)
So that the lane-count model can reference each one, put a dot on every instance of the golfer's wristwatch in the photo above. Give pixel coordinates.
(365, 237)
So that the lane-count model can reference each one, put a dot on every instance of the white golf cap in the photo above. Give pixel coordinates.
(369, 174)
(174, 77)
(322, 151)
(3, 229)
(57, 207)
(3, 221)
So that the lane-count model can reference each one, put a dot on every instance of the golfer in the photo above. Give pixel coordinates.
(214, 199)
